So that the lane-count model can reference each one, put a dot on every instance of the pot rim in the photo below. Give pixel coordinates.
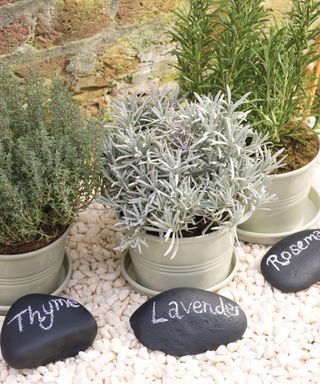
(18, 256)
(299, 170)
(217, 233)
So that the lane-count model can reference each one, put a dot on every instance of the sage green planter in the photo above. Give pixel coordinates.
(40, 271)
(200, 262)
(294, 197)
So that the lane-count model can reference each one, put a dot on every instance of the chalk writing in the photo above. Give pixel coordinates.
(285, 256)
(43, 317)
(178, 310)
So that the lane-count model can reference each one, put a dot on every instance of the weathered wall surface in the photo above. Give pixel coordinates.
(99, 45)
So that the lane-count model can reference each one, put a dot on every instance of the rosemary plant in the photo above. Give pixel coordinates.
(246, 51)
(49, 160)
(194, 57)
(171, 166)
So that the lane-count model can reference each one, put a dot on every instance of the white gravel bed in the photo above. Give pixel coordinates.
(281, 344)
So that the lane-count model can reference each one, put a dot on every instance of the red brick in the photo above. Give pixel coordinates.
(46, 31)
(13, 35)
(71, 20)
(47, 67)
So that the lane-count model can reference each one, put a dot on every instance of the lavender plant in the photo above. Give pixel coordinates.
(171, 166)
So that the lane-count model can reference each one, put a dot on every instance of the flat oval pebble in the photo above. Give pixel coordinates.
(188, 321)
(39, 329)
(293, 264)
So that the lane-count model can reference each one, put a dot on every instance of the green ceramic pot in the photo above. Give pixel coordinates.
(286, 212)
(200, 262)
(32, 272)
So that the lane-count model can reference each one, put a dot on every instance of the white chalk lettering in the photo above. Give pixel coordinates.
(178, 310)
(19, 318)
(33, 315)
(205, 305)
(67, 302)
(273, 259)
(300, 245)
(154, 320)
(295, 250)
(285, 256)
(44, 317)
(49, 312)
(174, 312)
(220, 310)
(308, 239)
(232, 311)
(197, 307)
(185, 309)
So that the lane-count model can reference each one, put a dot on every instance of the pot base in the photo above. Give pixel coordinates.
(129, 274)
(65, 274)
(310, 218)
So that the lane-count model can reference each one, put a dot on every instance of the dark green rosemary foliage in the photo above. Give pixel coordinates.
(194, 33)
(248, 53)
(234, 45)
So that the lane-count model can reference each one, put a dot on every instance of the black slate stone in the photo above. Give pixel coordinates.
(39, 329)
(293, 264)
(187, 321)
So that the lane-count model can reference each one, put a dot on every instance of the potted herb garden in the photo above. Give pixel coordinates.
(235, 43)
(180, 175)
(49, 170)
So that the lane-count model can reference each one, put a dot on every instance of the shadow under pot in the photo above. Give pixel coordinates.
(295, 207)
(207, 262)
(45, 270)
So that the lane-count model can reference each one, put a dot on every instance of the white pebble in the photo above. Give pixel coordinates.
(116, 345)
(92, 231)
(232, 347)
(257, 367)
(259, 279)
(78, 238)
(222, 350)
(280, 345)
(123, 294)
(81, 227)
(110, 276)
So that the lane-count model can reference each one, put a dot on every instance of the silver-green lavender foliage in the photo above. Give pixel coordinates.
(171, 165)
(49, 159)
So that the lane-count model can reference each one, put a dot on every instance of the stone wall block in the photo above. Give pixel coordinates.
(71, 20)
(135, 11)
(14, 34)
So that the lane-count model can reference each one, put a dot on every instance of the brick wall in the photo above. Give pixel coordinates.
(98, 45)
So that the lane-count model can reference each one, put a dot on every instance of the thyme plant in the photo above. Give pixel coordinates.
(249, 53)
(49, 159)
(171, 166)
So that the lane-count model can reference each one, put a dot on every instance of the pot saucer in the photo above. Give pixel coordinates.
(129, 274)
(65, 274)
(311, 217)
